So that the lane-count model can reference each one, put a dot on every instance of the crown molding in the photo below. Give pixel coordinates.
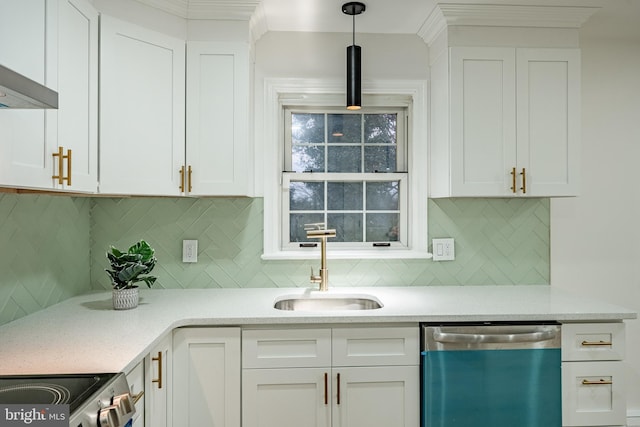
(493, 15)
(206, 9)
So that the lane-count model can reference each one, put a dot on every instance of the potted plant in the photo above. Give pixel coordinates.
(127, 269)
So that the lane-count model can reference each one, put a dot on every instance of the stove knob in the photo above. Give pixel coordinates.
(109, 417)
(124, 404)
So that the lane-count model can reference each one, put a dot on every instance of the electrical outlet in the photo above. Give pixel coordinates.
(443, 249)
(189, 251)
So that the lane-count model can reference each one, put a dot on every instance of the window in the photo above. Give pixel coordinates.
(348, 171)
(363, 173)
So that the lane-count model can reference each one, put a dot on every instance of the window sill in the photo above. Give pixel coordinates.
(353, 254)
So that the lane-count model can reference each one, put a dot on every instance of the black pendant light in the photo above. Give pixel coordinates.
(354, 90)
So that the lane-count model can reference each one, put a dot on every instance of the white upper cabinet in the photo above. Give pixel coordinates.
(59, 48)
(141, 110)
(145, 148)
(25, 145)
(505, 123)
(77, 133)
(217, 146)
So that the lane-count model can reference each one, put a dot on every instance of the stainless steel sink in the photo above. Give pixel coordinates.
(327, 303)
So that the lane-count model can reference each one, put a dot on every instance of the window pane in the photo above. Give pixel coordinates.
(306, 158)
(380, 158)
(380, 128)
(306, 196)
(297, 232)
(383, 196)
(344, 159)
(382, 227)
(344, 196)
(307, 128)
(348, 226)
(344, 128)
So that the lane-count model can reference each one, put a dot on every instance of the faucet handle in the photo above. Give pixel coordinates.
(315, 278)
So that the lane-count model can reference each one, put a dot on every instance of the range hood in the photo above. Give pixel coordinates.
(18, 91)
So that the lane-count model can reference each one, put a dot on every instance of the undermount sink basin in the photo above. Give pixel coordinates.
(327, 303)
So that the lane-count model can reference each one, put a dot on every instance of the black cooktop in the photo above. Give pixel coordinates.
(71, 389)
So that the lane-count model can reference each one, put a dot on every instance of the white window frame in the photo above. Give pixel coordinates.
(327, 93)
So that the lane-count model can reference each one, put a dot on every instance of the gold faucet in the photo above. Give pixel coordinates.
(319, 231)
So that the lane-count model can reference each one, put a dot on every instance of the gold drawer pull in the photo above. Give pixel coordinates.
(596, 343)
(159, 360)
(326, 388)
(513, 180)
(599, 382)
(137, 397)
(524, 181)
(61, 157)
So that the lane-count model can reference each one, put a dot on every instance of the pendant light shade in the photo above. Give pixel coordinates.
(354, 59)
(354, 83)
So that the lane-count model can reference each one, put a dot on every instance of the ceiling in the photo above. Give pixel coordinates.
(614, 17)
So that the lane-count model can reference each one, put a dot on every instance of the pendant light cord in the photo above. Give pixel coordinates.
(353, 43)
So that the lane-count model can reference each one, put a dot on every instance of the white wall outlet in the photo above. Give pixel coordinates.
(443, 249)
(189, 251)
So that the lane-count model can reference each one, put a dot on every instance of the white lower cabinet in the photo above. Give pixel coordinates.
(158, 384)
(347, 377)
(206, 377)
(593, 374)
(135, 379)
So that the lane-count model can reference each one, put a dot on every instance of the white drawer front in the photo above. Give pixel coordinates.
(135, 378)
(593, 341)
(372, 346)
(286, 348)
(593, 393)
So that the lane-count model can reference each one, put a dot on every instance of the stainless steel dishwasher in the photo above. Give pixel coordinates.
(491, 375)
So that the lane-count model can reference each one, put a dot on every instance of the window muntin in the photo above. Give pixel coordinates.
(346, 170)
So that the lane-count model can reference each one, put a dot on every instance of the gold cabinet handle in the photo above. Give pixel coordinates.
(338, 380)
(61, 157)
(524, 181)
(599, 382)
(159, 360)
(190, 173)
(326, 388)
(182, 179)
(513, 180)
(137, 397)
(596, 343)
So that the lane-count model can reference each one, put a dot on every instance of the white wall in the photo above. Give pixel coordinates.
(595, 238)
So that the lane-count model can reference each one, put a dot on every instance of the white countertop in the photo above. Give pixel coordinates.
(85, 335)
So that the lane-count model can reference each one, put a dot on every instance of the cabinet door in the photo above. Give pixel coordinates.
(159, 384)
(548, 120)
(141, 110)
(27, 44)
(376, 396)
(593, 394)
(482, 121)
(218, 118)
(286, 397)
(206, 372)
(78, 95)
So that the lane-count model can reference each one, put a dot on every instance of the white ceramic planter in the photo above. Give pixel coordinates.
(125, 299)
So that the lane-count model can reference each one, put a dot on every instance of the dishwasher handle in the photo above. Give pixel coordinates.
(470, 338)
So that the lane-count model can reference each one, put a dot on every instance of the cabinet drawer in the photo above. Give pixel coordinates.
(286, 348)
(593, 393)
(593, 341)
(135, 378)
(376, 346)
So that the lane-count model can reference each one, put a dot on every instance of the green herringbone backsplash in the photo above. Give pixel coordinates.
(498, 241)
(45, 252)
(53, 247)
